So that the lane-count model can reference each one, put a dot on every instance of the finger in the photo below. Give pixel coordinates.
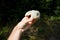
(32, 21)
(29, 20)
(27, 27)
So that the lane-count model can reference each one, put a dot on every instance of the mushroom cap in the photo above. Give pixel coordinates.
(35, 14)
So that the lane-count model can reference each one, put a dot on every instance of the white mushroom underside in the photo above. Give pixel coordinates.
(34, 14)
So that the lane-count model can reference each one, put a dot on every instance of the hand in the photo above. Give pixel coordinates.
(26, 23)
(29, 19)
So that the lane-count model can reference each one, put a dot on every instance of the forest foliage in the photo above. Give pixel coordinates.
(47, 27)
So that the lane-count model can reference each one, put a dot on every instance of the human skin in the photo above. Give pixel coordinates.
(29, 19)
(19, 28)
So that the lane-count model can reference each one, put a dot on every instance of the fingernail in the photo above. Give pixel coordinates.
(30, 22)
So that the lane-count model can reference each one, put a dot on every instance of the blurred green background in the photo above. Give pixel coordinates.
(48, 27)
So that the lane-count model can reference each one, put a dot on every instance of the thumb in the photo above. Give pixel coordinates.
(30, 21)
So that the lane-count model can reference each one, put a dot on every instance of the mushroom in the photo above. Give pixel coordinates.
(35, 14)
